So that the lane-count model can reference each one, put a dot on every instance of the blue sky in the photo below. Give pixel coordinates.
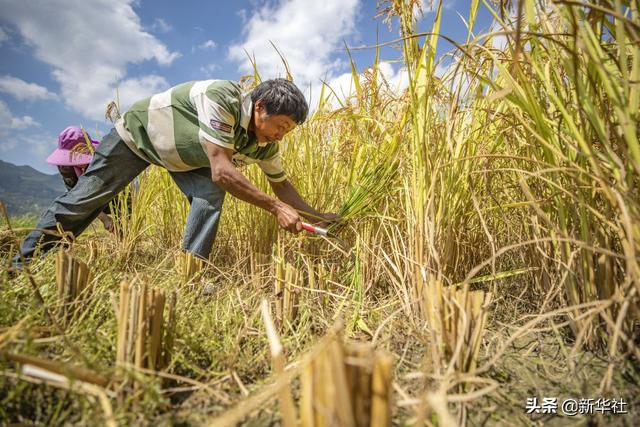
(62, 60)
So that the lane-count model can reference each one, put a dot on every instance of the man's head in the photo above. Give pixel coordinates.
(278, 106)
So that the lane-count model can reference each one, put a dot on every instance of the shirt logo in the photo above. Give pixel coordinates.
(221, 126)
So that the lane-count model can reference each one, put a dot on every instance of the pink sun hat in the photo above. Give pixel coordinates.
(64, 155)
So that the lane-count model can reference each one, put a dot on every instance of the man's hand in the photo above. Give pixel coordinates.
(326, 219)
(106, 221)
(288, 218)
(288, 194)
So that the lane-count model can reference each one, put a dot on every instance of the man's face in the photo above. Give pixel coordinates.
(270, 128)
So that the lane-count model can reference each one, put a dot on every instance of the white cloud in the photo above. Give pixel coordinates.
(10, 123)
(161, 26)
(443, 68)
(455, 78)
(22, 122)
(421, 8)
(398, 80)
(498, 33)
(497, 37)
(448, 4)
(29, 147)
(39, 144)
(134, 89)
(209, 69)
(242, 13)
(3, 35)
(499, 42)
(343, 86)
(39, 151)
(8, 145)
(305, 32)
(89, 48)
(24, 91)
(209, 44)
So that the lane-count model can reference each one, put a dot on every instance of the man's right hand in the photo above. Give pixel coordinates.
(288, 218)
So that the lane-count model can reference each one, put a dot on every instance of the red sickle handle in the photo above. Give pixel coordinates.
(314, 229)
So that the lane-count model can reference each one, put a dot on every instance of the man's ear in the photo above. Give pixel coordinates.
(258, 105)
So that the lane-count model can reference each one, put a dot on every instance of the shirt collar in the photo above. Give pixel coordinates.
(245, 114)
(245, 110)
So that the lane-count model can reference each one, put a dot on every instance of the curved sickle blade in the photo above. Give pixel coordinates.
(326, 233)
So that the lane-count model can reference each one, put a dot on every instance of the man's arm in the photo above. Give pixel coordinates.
(225, 175)
(286, 192)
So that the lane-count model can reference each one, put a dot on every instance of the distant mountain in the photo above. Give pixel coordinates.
(25, 190)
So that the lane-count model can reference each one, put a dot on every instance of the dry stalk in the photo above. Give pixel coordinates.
(39, 375)
(381, 387)
(236, 414)
(287, 408)
(59, 368)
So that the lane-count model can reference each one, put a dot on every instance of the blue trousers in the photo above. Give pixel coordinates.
(113, 166)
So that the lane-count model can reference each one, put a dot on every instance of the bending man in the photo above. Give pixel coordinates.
(199, 131)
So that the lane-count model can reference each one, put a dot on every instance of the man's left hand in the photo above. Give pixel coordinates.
(326, 219)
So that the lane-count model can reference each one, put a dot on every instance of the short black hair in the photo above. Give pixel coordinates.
(280, 96)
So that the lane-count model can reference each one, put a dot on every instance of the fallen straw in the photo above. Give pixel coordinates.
(287, 407)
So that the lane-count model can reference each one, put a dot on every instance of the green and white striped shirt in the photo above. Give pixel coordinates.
(170, 129)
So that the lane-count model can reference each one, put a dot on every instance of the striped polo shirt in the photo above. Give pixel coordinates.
(170, 129)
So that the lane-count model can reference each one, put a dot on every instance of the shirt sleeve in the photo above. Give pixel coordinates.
(218, 114)
(273, 169)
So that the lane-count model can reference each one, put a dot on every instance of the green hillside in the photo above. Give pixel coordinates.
(24, 190)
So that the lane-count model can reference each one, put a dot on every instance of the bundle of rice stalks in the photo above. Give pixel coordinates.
(340, 384)
(347, 385)
(73, 279)
(190, 266)
(297, 277)
(456, 319)
(287, 294)
(145, 338)
(317, 278)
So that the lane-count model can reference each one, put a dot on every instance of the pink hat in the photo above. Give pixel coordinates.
(64, 155)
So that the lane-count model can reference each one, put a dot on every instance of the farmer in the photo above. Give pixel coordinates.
(72, 158)
(199, 131)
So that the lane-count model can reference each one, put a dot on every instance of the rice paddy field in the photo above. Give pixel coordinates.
(487, 271)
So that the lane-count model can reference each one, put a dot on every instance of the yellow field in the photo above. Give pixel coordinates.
(492, 228)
